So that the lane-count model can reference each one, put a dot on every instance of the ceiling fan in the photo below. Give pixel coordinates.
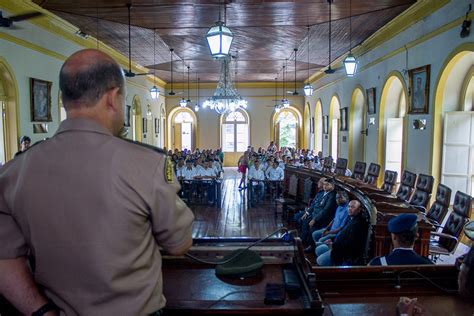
(8, 22)
(129, 73)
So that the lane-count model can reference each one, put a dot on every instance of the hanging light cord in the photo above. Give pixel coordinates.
(350, 26)
(129, 6)
(188, 84)
(154, 56)
(296, 50)
(330, 33)
(308, 53)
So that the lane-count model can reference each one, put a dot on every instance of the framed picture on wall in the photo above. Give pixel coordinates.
(370, 101)
(419, 90)
(40, 94)
(325, 124)
(157, 125)
(128, 109)
(343, 119)
(144, 125)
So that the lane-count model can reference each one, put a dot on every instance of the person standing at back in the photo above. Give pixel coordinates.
(98, 209)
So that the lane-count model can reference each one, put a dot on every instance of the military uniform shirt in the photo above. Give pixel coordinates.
(400, 256)
(93, 210)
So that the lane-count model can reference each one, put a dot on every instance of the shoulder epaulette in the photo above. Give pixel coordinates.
(156, 149)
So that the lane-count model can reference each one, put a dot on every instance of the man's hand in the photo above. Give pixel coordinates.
(305, 215)
(311, 223)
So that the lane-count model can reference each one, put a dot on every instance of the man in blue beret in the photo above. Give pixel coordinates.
(404, 231)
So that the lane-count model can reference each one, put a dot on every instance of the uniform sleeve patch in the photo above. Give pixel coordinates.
(168, 170)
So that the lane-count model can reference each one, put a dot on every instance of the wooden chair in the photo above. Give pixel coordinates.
(327, 166)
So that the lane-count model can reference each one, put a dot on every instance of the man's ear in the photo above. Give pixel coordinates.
(112, 99)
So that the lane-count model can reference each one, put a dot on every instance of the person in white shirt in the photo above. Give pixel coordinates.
(275, 173)
(180, 166)
(208, 175)
(186, 175)
(256, 177)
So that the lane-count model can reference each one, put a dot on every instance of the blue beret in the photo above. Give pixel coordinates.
(401, 223)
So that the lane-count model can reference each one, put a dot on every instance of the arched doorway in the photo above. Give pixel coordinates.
(137, 129)
(182, 127)
(318, 129)
(235, 135)
(453, 143)
(393, 104)
(334, 117)
(8, 110)
(357, 124)
(307, 135)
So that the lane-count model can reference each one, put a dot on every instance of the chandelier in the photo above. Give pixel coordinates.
(225, 98)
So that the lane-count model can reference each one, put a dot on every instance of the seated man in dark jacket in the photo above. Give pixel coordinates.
(321, 216)
(349, 244)
(404, 231)
(302, 215)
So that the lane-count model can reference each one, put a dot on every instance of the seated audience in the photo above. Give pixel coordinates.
(302, 215)
(341, 218)
(275, 173)
(208, 175)
(404, 231)
(257, 185)
(349, 245)
(321, 215)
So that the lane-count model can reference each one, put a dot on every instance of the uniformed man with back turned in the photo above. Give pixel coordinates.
(92, 209)
(404, 231)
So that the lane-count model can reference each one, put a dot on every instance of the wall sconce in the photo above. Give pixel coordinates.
(372, 121)
(419, 124)
(365, 132)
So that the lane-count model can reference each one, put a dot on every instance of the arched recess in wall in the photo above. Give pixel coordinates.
(392, 131)
(9, 124)
(136, 122)
(162, 129)
(357, 123)
(318, 128)
(453, 147)
(306, 127)
(334, 118)
(182, 129)
(276, 127)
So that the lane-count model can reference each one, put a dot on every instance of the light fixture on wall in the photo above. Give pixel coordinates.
(308, 89)
(197, 107)
(350, 63)
(154, 92)
(419, 124)
(219, 37)
(225, 98)
(466, 25)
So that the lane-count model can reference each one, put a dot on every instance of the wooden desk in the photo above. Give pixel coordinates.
(372, 291)
(381, 243)
(194, 289)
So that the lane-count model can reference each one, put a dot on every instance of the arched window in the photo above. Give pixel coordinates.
(235, 131)
(287, 129)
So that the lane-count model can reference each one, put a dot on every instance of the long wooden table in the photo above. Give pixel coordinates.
(381, 241)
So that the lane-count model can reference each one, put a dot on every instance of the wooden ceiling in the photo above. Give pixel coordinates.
(265, 32)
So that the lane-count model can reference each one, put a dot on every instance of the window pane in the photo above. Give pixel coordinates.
(242, 137)
(288, 129)
(183, 117)
(228, 137)
(186, 133)
(235, 117)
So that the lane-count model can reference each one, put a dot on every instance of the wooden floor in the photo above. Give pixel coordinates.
(234, 218)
